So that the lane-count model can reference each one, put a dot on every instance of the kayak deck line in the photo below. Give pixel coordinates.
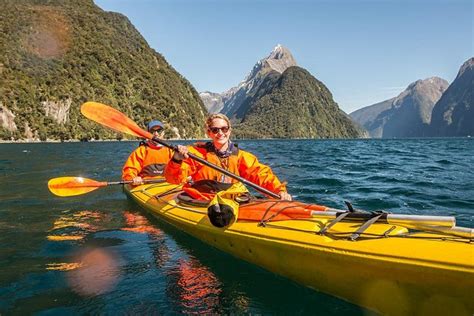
(315, 221)
(460, 234)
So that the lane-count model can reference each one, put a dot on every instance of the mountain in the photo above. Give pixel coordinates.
(368, 115)
(212, 101)
(294, 104)
(57, 54)
(278, 99)
(407, 115)
(453, 114)
(231, 101)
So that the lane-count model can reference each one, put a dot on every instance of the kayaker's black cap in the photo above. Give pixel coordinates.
(221, 215)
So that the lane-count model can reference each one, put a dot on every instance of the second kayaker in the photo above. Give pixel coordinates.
(149, 159)
(222, 152)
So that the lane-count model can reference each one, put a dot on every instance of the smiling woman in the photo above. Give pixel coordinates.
(220, 151)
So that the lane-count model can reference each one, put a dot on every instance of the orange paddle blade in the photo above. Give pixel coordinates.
(70, 186)
(112, 118)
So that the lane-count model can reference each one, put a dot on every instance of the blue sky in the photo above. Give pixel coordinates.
(363, 51)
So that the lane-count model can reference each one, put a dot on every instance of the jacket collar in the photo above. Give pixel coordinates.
(221, 154)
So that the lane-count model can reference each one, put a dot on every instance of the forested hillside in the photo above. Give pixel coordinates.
(57, 54)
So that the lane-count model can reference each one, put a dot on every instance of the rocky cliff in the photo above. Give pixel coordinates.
(367, 117)
(407, 115)
(230, 102)
(212, 101)
(453, 114)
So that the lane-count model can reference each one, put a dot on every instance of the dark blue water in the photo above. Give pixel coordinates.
(143, 266)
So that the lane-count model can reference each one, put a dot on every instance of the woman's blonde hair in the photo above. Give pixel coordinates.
(221, 116)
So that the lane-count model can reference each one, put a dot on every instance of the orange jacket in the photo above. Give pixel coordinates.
(147, 161)
(240, 163)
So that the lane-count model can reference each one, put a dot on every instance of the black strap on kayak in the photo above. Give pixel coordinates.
(366, 225)
(338, 218)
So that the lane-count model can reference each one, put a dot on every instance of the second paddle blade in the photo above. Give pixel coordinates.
(70, 186)
(112, 118)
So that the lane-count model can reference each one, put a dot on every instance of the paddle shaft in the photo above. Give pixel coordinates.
(131, 181)
(394, 219)
(226, 172)
(437, 224)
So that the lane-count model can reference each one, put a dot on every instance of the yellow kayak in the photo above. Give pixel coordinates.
(389, 269)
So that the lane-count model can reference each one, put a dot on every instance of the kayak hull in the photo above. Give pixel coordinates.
(420, 274)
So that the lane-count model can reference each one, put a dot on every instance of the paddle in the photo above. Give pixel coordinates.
(71, 186)
(116, 120)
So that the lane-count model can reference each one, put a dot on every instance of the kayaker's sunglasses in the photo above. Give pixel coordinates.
(159, 130)
(216, 130)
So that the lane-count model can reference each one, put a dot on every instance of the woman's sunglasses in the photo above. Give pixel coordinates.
(216, 130)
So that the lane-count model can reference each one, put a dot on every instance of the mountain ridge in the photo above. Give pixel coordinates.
(271, 103)
(230, 101)
(453, 114)
(406, 115)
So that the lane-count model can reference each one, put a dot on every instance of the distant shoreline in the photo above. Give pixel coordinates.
(51, 141)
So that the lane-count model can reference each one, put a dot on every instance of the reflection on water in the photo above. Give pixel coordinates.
(94, 271)
(63, 266)
(139, 224)
(195, 287)
(74, 226)
(90, 271)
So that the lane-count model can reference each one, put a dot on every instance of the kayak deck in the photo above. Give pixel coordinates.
(388, 269)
